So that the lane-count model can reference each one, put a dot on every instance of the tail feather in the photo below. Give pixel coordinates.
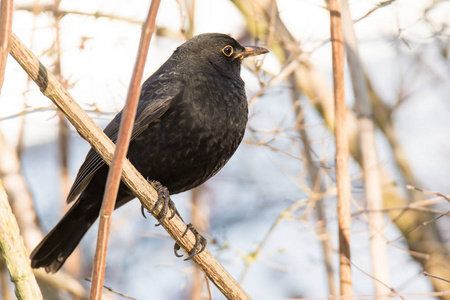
(61, 241)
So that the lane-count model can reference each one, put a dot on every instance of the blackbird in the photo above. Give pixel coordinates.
(191, 117)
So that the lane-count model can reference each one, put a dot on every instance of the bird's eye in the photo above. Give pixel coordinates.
(227, 50)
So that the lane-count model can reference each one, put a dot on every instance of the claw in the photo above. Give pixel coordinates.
(199, 246)
(177, 247)
(143, 211)
(167, 204)
(163, 199)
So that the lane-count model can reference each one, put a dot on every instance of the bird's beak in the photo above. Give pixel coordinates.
(251, 51)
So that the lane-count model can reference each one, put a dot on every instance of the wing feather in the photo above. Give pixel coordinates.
(153, 104)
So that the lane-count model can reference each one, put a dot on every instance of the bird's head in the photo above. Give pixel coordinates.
(220, 51)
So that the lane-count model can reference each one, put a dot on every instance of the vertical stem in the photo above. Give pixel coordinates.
(199, 220)
(342, 151)
(6, 13)
(367, 143)
(115, 171)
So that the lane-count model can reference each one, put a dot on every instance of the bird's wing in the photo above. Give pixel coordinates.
(154, 102)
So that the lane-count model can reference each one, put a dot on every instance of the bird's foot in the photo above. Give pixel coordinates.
(199, 246)
(164, 200)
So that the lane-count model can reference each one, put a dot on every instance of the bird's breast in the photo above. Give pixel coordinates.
(196, 137)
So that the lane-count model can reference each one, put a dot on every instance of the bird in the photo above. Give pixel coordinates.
(191, 118)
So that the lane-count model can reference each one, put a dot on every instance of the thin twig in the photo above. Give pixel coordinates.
(342, 151)
(435, 277)
(377, 280)
(37, 8)
(410, 187)
(115, 170)
(254, 256)
(6, 15)
(423, 224)
(113, 291)
(369, 155)
(380, 5)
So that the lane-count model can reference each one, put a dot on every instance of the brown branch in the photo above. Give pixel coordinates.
(53, 89)
(200, 220)
(342, 151)
(369, 155)
(436, 277)
(6, 14)
(14, 252)
(124, 135)
(59, 13)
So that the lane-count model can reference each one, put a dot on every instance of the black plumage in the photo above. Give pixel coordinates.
(190, 119)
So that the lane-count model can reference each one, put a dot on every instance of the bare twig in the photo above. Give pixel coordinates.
(436, 277)
(380, 282)
(38, 8)
(200, 220)
(113, 291)
(254, 256)
(410, 187)
(115, 171)
(380, 5)
(318, 186)
(342, 152)
(6, 14)
(423, 224)
(366, 131)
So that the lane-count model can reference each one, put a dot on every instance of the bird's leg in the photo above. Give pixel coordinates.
(200, 243)
(163, 199)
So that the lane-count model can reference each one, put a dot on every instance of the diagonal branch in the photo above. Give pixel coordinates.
(14, 252)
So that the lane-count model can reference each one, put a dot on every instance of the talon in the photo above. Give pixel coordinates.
(199, 246)
(167, 204)
(163, 199)
(177, 247)
(174, 211)
(143, 211)
(158, 187)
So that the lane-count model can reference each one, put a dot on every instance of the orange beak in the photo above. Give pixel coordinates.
(251, 51)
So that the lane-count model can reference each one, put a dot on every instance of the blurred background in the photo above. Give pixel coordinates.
(270, 214)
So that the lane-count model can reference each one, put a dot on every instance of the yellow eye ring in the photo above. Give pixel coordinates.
(227, 50)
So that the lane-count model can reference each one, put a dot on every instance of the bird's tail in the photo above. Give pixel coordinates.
(58, 244)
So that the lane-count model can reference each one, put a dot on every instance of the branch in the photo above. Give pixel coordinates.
(5, 34)
(369, 156)
(53, 89)
(342, 151)
(13, 250)
(123, 140)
